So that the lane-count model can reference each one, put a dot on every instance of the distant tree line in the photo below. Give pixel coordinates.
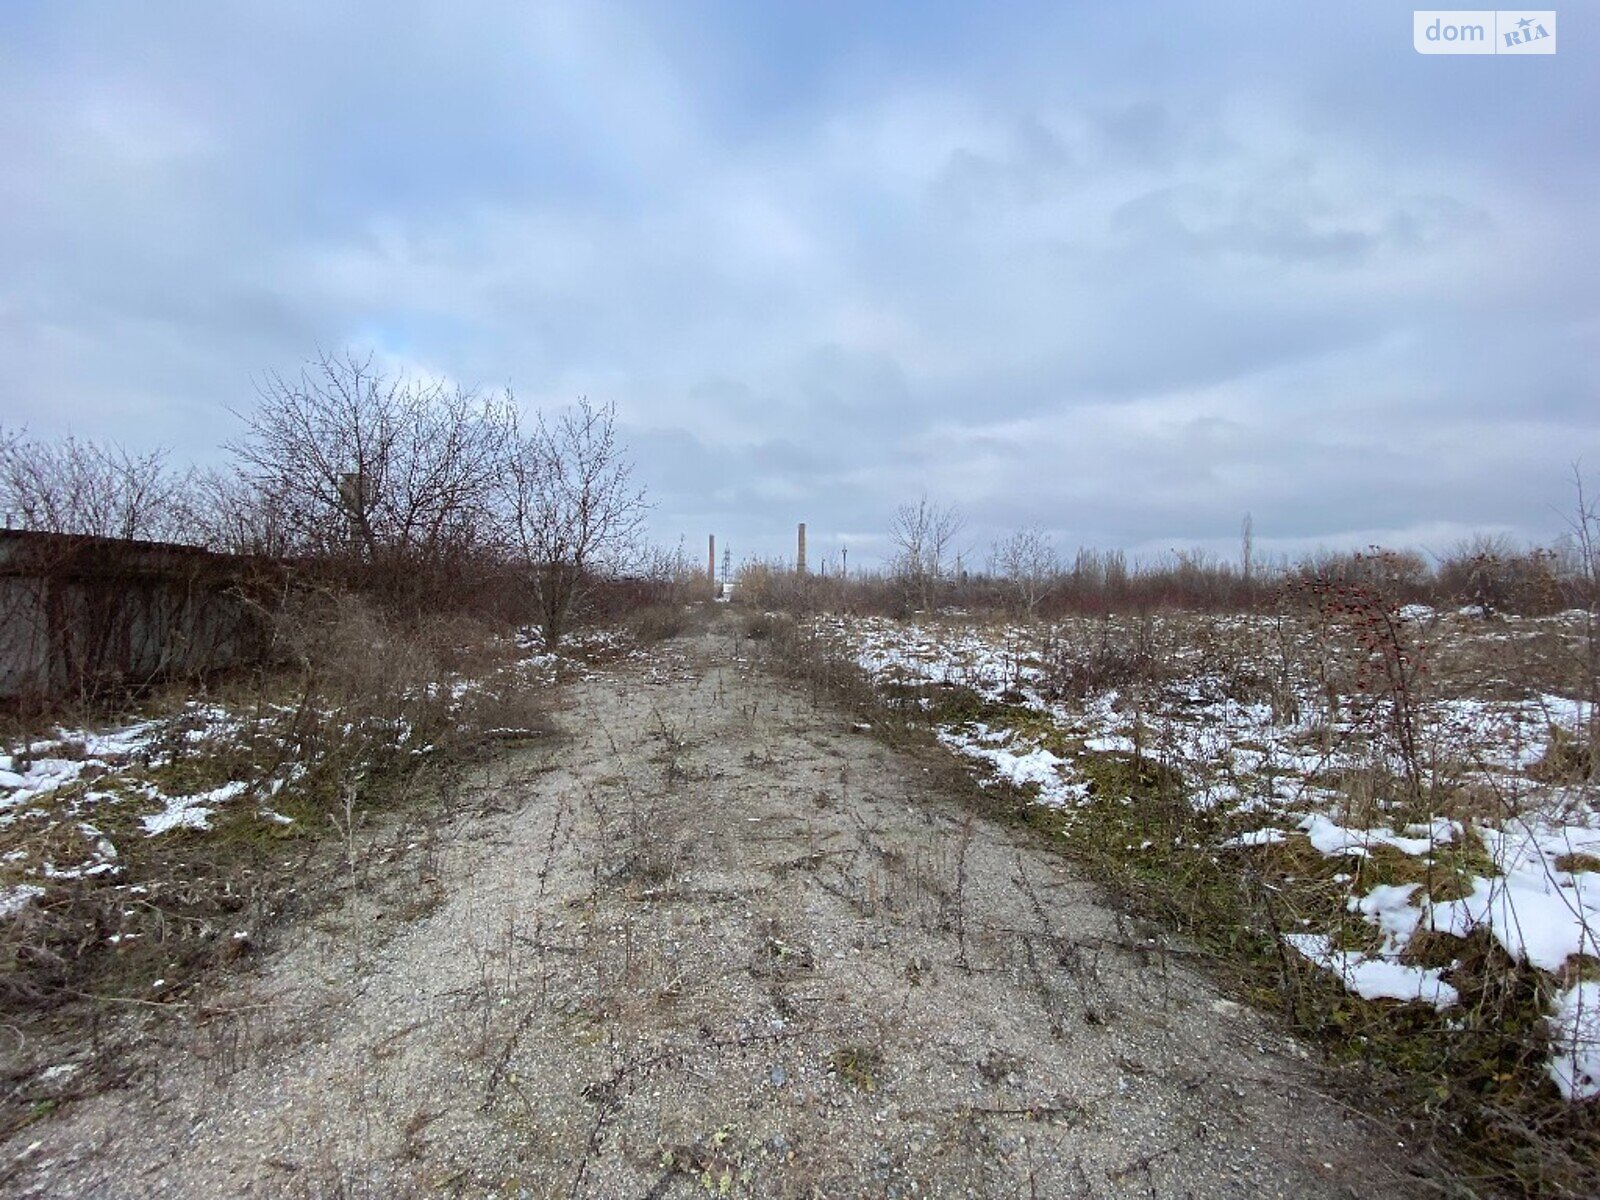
(1024, 574)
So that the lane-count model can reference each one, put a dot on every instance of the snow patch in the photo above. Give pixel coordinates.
(1575, 1041)
(1018, 765)
(1256, 837)
(14, 900)
(191, 812)
(1375, 977)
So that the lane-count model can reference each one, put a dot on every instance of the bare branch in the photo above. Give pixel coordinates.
(922, 534)
(571, 507)
(73, 486)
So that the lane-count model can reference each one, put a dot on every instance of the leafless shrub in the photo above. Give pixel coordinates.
(1490, 574)
(230, 513)
(1394, 577)
(391, 478)
(1382, 660)
(661, 622)
(93, 488)
(374, 697)
(1027, 562)
(572, 509)
(924, 537)
(775, 586)
(1111, 655)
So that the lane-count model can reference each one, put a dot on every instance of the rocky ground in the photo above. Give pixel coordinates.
(713, 939)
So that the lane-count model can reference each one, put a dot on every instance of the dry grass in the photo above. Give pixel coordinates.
(360, 740)
(1470, 1080)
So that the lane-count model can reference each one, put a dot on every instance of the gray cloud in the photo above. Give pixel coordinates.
(1124, 273)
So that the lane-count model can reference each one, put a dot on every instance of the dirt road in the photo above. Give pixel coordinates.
(713, 940)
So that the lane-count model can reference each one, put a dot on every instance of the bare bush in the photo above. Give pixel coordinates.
(93, 488)
(924, 535)
(231, 514)
(1111, 655)
(1027, 562)
(572, 510)
(1492, 575)
(1394, 576)
(1380, 664)
(395, 478)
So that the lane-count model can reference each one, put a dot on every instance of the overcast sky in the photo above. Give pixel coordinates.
(1123, 271)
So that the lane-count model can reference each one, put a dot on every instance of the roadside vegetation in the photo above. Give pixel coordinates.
(435, 564)
(1365, 789)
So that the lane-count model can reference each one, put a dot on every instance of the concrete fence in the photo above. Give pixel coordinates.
(79, 615)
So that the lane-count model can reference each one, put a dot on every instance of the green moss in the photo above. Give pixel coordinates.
(1580, 967)
(858, 1066)
(245, 826)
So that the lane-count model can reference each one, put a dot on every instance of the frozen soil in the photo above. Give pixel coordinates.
(715, 939)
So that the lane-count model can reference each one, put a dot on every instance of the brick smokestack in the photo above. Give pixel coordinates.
(711, 557)
(800, 552)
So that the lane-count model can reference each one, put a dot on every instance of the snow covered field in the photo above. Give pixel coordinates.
(1446, 805)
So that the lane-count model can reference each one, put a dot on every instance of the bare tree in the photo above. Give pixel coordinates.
(231, 513)
(571, 507)
(73, 486)
(1027, 561)
(395, 475)
(923, 534)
